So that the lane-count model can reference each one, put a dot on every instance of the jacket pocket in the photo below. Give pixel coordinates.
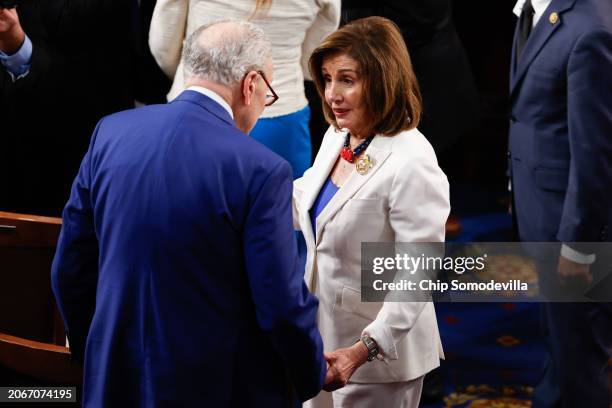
(350, 301)
(364, 205)
(551, 179)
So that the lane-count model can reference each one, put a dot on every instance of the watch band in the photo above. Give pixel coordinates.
(371, 346)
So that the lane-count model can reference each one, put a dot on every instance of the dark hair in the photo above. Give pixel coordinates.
(391, 91)
(9, 3)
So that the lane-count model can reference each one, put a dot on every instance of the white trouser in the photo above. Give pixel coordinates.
(359, 395)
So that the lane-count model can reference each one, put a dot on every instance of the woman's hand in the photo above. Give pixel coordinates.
(342, 363)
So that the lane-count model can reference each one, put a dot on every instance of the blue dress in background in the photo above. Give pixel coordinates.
(289, 137)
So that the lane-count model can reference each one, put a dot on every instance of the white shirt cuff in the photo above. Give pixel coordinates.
(575, 256)
(381, 334)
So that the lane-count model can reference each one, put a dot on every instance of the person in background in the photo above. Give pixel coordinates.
(294, 27)
(62, 68)
(375, 179)
(176, 271)
(560, 162)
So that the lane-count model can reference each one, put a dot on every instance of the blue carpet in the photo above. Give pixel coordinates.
(494, 351)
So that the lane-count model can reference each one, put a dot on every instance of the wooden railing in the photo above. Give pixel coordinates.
(32, 339)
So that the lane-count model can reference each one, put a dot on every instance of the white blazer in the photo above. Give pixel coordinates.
(403, 198)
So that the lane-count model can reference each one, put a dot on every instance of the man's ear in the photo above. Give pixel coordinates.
(248, 87)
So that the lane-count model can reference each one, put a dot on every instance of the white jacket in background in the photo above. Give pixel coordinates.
(294, 27)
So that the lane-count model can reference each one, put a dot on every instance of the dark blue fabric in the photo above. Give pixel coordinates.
(560, 162)
(176, 270)
(560, 149)
(327, 192)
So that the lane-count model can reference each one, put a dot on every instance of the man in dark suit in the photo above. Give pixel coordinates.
(73, 67)
(176, 270)
(560, 154)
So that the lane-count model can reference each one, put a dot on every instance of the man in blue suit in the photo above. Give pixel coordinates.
(176, 270)
(560, 154)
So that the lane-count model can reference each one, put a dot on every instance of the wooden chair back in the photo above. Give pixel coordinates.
(32, 339)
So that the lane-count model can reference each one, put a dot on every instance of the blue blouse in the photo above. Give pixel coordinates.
(326, 193)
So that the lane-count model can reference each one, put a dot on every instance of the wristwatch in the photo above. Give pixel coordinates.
(371, 346)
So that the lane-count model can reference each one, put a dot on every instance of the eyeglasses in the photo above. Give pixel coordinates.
(271, 96)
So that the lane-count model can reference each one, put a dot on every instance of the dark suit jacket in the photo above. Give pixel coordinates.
(450, 97)
(560, 146)
(80, 72)
(176, 270)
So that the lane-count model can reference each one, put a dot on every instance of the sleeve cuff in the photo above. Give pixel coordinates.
(575, 256)
(381, 333)
(18, 64)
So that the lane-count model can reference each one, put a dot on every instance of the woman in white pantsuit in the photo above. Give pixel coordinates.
(375, 179)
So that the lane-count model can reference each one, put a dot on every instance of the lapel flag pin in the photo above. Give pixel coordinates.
(554, 18)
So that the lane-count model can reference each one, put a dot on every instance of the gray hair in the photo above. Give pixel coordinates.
(225, 57)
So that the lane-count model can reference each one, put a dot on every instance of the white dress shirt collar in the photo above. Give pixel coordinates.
(214, 96)
(539, 6)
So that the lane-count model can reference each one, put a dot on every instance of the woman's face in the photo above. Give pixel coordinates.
(344, 93)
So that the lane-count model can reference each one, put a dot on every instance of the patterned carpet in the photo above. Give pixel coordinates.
(494, 351)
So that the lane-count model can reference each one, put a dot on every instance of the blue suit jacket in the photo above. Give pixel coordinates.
(560, 146)
(176, 270)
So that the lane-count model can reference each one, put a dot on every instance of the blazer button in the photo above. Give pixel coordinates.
(508, 153)
(513, 120)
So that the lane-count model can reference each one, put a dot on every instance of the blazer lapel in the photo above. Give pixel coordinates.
(539, 36)
(378, 152)
(513, 61)
(321, 169)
